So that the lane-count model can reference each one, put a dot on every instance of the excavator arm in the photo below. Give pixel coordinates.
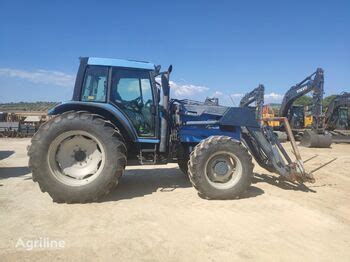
(313, 83)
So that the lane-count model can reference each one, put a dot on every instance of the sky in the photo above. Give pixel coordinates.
(217, 48)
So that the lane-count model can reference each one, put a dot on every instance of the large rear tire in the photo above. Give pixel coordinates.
(77, 157)
(220, 168)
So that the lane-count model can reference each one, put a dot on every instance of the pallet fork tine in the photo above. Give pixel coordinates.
(323, 165)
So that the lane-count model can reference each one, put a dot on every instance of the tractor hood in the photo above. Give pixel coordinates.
(193, 113)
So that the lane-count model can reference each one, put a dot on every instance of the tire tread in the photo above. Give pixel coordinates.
(37, 144)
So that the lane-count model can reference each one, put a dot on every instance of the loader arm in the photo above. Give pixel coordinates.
(257, 96)
(264, 146)
(271, 155)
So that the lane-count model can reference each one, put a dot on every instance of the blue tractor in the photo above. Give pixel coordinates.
(118, 116)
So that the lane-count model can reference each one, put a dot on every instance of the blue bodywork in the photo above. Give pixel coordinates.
(199, 121)
(195, 134)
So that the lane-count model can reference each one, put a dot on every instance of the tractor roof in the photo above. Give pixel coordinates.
(120, 63)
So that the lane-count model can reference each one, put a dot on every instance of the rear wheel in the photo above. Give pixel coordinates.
(220, 168)
(77, 157)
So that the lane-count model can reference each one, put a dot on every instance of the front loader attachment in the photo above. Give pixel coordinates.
(270, 154)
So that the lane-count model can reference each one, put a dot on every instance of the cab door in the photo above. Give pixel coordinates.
(132, 93)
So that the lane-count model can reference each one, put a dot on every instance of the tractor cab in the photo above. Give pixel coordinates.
(127, 85)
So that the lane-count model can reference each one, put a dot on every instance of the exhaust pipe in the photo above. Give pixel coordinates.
(164, 134)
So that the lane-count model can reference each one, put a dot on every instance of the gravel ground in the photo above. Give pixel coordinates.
(155, 215)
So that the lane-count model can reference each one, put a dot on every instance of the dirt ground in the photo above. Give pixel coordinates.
(155, 215)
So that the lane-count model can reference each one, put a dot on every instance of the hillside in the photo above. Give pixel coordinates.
(26, 106)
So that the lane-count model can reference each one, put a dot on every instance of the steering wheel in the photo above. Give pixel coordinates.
(134, 105)
(148, 103)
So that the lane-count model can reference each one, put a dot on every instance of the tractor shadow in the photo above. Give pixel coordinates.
(251, 191)
(281, 183)
(7, 172)
(5, 154)
(141, 182)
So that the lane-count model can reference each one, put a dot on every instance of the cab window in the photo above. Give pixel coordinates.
(132, 91)
(95, 84)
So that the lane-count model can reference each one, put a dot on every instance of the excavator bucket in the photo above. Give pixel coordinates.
(312, 139)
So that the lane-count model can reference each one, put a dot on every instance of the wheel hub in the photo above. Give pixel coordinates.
(76, 157)
(223, 169)
(79, 155)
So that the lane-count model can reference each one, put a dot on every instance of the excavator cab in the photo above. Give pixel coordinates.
(296, 117)
(337, 114)
(343, 116)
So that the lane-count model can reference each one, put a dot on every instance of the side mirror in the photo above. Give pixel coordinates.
(157, 69)
(170, 68)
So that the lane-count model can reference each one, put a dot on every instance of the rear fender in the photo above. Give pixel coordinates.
(107, 111)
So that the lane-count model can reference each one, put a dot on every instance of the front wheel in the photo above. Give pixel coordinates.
(220, 168)
(77, 157)
(182, 158)
(183, 165)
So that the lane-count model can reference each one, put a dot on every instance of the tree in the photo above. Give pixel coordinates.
(303, 101)
(327, 100)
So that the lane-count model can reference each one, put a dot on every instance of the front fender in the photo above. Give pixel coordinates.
(106, 110)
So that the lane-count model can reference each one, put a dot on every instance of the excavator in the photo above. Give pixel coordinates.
(337, 118)
(299, 118)
(317, 136)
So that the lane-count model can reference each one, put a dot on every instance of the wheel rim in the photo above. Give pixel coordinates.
(223, 170)
(76, 158)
